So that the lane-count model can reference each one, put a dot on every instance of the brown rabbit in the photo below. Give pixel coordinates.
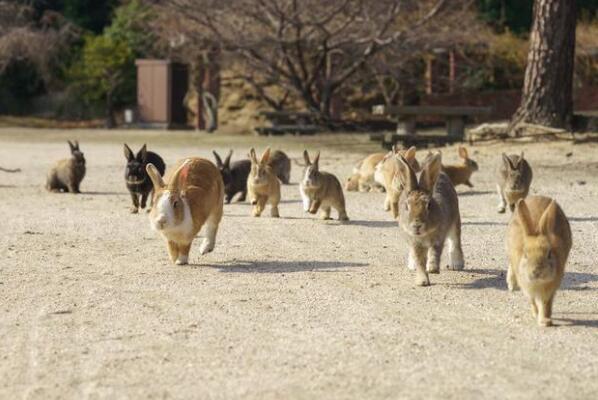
(460, 174)
(514, 180)
(538, 242)
(429, 216)
(262, 185)
(191, 198)
(386, 172)
(66, 175)
(363, 175)
(321, 189)
(281, 165)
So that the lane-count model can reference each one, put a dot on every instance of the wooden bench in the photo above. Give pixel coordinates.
(406, 116)
(298, 123)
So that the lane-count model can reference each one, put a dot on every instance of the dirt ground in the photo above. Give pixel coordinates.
(295, 308)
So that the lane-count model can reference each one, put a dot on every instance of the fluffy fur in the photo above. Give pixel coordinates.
(190, 199)
(363, 175)
(538, 242)
(234, 176)
(263, 186)
(281, 165)
(429, 216)
(386, 174)
(66, 175)
(460, 174)
(514, 180)
(321, 189)
(138, 182)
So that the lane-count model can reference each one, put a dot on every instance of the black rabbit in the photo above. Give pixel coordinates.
(234, 176)
(138, 183)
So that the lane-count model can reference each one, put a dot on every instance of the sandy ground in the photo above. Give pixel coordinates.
(291, 308)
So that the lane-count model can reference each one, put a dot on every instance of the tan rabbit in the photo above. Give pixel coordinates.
(262, 185)
(66, 175)
(429, 215)
(321, 189)
(281, 165)
(514, 180)
(460, 174)
(363, 175)
(190, 198)
(538, 242)
(386, 171)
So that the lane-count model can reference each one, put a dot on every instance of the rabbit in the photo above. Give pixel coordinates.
(321, 189)
(263, 185)
(538, 243)
(460, 174)
(514, 180)
(386, 172)
(281, 165)
(66, 175)
(138, 182)
(190, 198)
(429, 216)
(363, 175)
(234, 176)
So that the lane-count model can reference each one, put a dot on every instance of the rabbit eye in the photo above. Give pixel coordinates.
(175, 204)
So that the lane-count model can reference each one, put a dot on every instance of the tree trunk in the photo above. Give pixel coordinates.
(547, 97)
(110, 121)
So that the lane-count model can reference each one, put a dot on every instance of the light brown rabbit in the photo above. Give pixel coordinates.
(538, 242)
(386, 171)
(66, 175)
(363, 175)
(460, 174)
(321, 189)
(262, 185)
(190, 198)
(514, 180)
(281, 165)
(429, 215)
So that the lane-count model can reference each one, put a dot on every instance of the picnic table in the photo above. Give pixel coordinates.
(455, 117)
(281, 122)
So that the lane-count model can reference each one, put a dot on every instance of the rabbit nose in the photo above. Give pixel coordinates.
(161, 221)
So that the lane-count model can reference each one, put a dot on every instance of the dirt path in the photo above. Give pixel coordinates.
(289, 308)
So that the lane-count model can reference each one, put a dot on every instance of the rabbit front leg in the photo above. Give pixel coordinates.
(183, 256)
(468, 183)
(455, 251)
(135, 199)
(544, 308)
(325, 215)
(242, 196)
(502, 204)
(143, 200)
(260, 204)
(173, 250)
(511, 279)
(315, 205)
(274, 200)
(417, 258)
(306, 200)
(210, 231)
(433, 260)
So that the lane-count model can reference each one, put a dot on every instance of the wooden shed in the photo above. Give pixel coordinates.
(161, 89)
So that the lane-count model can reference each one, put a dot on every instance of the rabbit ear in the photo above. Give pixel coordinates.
(317, 161)
(227, 159)
(410, 153)
(406, 174)
(548, 219)
(76, 145)
(128, 153)
(525, 218)
(520, 161)
(430, 172)
(142, 154)
(155, 176)
(253, 156)
(218, 159)
(306, 157)
(507, 161)
(265, 156)
(463, 153)
(72, 146)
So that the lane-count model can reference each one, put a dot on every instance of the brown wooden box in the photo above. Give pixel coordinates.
(161, 89)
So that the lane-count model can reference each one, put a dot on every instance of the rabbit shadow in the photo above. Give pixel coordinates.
(274, 267)
(564, 322)
(374, 224)
(105, 193)
(474, 193)
(484, 223)
(496, 279)
(8, 186)
(583, 219)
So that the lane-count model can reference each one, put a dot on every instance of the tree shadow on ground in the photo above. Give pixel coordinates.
(104, 193)
(274, 267)
(374, 224)
(496, 279)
